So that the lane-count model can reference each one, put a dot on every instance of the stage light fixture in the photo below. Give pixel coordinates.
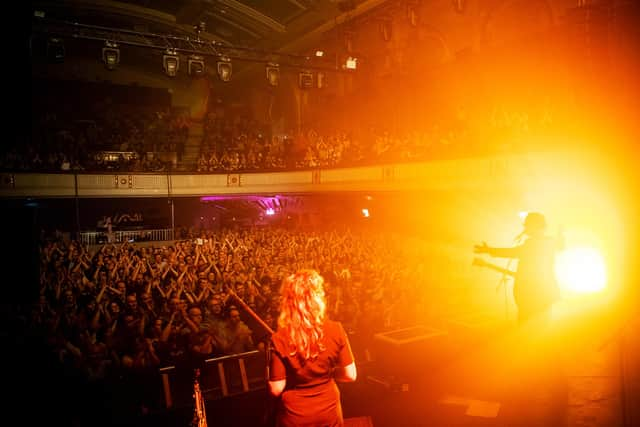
(305, 80)
(273, 74)
(351, 63)
(171, 62)
(196, 65)
(319, 53)
(225, 69)
(55, 49)
(110, 55)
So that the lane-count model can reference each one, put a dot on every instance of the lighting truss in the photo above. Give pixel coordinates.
(180, 44)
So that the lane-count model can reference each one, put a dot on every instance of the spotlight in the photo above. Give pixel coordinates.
(196, 65)
(273, 74)
(319, 53)
(224, 69)
(351, 63)
(110, 55)
(171, 62)
(305, 80)
(55, 49)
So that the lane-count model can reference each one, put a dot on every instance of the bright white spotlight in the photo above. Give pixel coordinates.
(270, 211)
(351, 63)
(581, 270)
(365, 213)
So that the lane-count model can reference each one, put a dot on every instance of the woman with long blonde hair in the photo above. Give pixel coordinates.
(309, 353)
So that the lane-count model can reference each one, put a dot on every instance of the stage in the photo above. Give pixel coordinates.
(587, 382)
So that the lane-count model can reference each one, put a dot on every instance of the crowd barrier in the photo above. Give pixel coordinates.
(219, 377)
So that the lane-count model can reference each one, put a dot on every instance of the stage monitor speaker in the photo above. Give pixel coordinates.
(471, 329)
(409, 351)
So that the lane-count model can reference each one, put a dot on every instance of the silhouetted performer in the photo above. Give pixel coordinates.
(309, 353)
(534, 288)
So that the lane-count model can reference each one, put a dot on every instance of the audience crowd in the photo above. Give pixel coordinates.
(109, 137)
(135, 139)
(123, 311)
(243, 145)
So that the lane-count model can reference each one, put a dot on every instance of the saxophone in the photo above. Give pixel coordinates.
(199, 415)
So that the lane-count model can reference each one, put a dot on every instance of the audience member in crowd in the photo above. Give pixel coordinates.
(123, 309)
(112, 137)
(237, 334)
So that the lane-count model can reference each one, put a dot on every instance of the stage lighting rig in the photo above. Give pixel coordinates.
(110, 55)
(196, 65)
(171, 62)
(273, 74)
(225, 69)
(351, 63)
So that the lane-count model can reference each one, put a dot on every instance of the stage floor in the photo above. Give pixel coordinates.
(508, 380)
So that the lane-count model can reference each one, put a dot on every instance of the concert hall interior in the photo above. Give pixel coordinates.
(463, 174)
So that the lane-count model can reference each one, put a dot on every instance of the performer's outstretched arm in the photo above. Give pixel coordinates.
(513, 252)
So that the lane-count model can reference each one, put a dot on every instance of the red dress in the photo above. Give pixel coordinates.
(311, 396)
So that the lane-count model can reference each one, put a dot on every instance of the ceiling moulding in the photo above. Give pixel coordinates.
(314, 34)
(121, 8)
(254, 14)
(232, 23)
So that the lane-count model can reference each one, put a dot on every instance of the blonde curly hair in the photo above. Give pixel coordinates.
(302, 313)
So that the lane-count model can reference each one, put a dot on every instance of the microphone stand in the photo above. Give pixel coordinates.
(269, 419)
(250, 311)
(504, 279)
